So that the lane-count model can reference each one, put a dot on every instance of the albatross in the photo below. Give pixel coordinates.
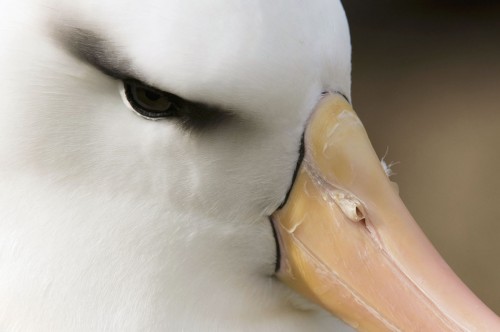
(176, 165)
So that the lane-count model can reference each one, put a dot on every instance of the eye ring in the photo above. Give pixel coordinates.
(148, 102)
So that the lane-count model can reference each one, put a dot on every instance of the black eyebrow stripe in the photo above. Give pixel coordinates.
(96, 50)
(190, 115)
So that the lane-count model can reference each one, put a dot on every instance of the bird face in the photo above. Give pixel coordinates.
(155, 140)
(253, 73)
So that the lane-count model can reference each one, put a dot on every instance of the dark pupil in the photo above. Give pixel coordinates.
(151, 95)
(150, 100)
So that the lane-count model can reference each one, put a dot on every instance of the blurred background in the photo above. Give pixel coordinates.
(426, 84)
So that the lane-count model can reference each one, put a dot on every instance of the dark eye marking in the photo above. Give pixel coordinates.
(96, 50)
(154, 104)
(150, 102)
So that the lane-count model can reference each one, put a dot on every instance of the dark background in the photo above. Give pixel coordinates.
(426, 84)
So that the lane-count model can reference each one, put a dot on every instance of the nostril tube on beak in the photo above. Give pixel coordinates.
(350, 206)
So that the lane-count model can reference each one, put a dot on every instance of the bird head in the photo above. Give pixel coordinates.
(208, 169)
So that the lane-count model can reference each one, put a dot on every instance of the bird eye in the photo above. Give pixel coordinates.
(149, 102)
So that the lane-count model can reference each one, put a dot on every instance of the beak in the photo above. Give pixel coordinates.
(348, 243)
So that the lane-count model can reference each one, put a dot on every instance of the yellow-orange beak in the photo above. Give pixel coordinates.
(348, 242)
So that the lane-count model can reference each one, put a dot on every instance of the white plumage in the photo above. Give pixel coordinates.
(112, 222)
